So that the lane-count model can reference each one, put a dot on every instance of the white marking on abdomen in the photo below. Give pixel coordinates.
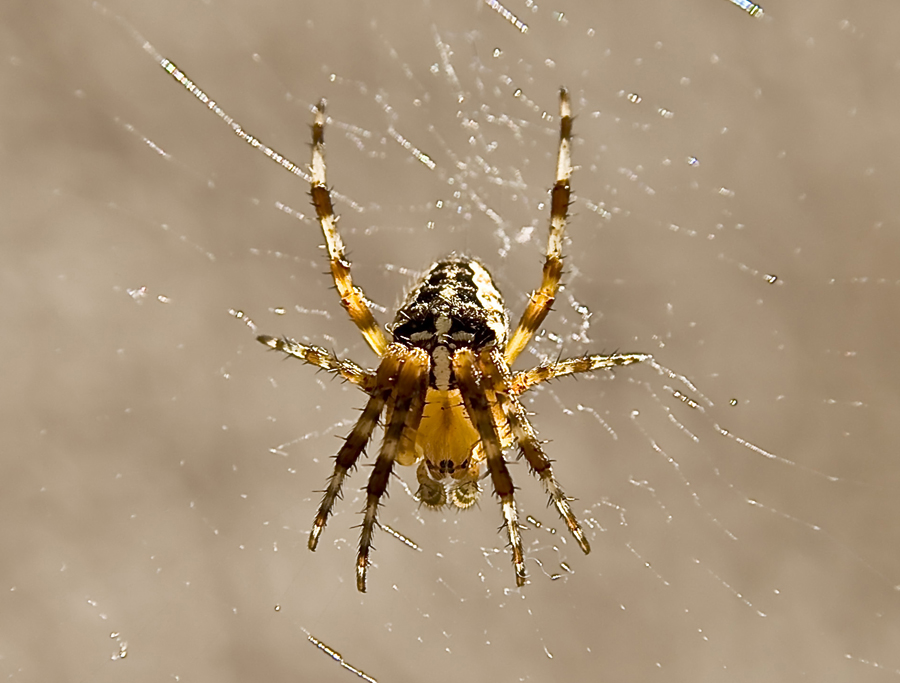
(441, 354)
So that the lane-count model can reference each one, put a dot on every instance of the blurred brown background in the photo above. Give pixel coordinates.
(159, 467)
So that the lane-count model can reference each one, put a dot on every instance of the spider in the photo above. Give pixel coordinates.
(444, 385)
(449, 400)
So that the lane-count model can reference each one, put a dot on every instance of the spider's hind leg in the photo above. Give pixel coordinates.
(527, 379)
(541, 301)
(352, 298)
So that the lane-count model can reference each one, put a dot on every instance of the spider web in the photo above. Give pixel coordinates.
(735, 216)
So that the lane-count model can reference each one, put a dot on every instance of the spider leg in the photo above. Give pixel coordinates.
(525, 380)
(352, 298)
(357, 439)
(530, 446)
(409, 401)
(316, 355)
(479, 410)
(541, 301)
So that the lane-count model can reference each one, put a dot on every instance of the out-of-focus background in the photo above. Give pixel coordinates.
(736, 215)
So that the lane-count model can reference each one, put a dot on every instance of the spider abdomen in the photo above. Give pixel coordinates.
(454, 305)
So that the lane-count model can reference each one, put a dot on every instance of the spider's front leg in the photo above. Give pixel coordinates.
(477, 406)
(529, 445)
(356, 441)
(408, 400)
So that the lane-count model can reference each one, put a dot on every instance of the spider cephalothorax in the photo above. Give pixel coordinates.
(443, 386)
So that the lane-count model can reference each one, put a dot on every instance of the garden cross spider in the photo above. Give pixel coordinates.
(444, 384)
(450, 400)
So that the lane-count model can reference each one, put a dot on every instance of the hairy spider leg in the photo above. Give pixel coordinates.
(499, 375)
(521, 382)
(478, 407)
(356, 441)
(408, 399)
(352, 298)
(323, 359)
(541, 301)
